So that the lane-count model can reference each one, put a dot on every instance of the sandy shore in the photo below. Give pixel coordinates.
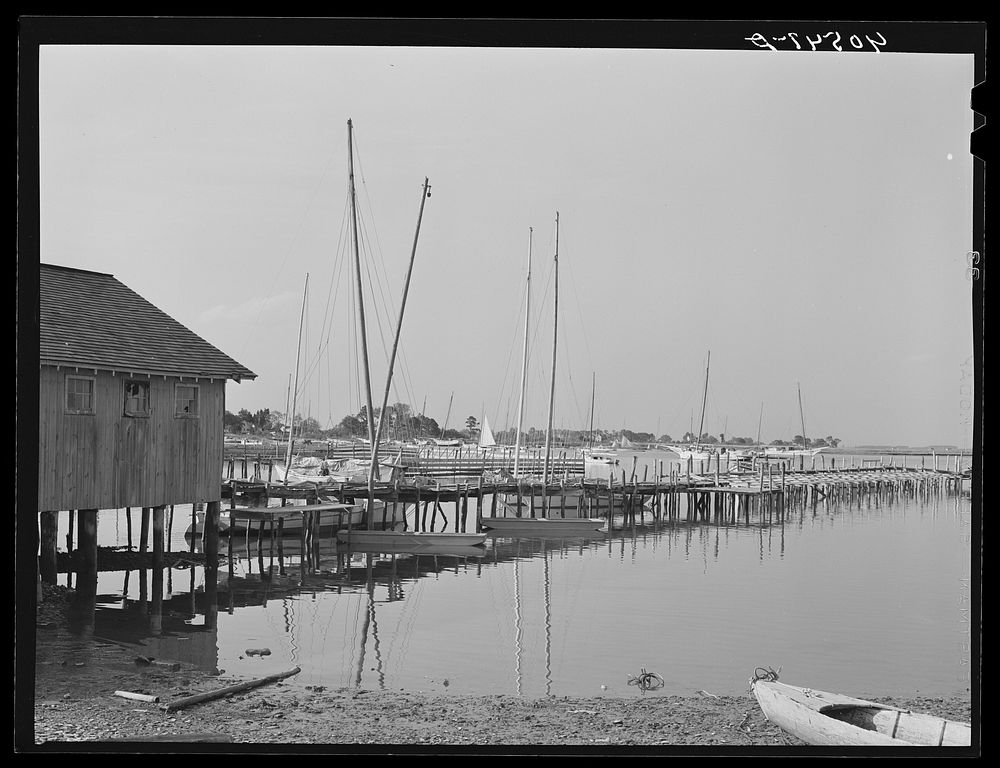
(76, 708)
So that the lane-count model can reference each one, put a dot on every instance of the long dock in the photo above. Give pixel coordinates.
(717, 497)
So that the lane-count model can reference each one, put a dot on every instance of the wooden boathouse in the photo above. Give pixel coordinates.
(131, 406)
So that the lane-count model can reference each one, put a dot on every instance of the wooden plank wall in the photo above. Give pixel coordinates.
(107, 460)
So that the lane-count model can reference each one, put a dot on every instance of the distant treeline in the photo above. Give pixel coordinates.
(403, 424)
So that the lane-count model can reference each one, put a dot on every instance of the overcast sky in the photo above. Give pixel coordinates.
(803, 217)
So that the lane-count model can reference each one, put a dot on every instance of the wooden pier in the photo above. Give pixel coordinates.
(717, 497)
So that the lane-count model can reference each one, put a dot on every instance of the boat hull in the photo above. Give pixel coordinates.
(528, 526)
(822, 718)
(332, 516)
(572, 505)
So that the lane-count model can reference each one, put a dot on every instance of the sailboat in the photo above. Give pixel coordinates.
(570, 505)
(590, 456)
(781, 452)
(486, 439)
(372, 536)
(696, 452)
(443, 442)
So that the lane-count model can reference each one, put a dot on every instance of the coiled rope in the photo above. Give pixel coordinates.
(646, 681)
(763, 673)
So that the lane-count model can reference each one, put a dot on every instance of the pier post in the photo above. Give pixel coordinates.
(86, 535)
(210, 534)
(611, 499)
(465, 509)
(144, 530)
(156, 588)
(47, 560)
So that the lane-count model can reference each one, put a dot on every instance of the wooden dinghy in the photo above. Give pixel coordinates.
(821, 718)
(532, 526)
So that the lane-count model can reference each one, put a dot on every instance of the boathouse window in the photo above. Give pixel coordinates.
(186, 400)
(136, 398)
(79, 394)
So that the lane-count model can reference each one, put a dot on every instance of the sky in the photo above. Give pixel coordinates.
(803, 219)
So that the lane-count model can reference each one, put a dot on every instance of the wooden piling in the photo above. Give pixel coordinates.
(210, 535)
(47, 558)
(144, 530)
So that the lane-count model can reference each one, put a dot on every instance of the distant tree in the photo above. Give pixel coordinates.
(309, 427)
(353, 425)
(231, 421)
(471, 424)
(261, 419)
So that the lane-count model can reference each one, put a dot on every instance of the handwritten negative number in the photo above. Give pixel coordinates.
(837, 43)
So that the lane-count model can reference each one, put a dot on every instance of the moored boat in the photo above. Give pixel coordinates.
(332, 516)
(822, 718)
(780, 452)
(528, 526)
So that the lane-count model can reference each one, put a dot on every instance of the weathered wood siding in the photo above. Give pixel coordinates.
(107, 460)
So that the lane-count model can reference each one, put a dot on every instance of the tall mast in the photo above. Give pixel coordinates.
(295, 389)
(448, 414)
(704, 399)
(288, 404)
(593, 392)
(555, 336)
(802, 417)
(357, 271)
(759, 421)
(524, 365)
(425, 193)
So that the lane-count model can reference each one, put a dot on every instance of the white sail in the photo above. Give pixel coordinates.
(486, 439)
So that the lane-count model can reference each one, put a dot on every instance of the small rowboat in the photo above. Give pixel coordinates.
(528, 526)
(818, 717)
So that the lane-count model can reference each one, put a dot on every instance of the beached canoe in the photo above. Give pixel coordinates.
(821, 718)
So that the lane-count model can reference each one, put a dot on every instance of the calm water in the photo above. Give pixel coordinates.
(855, 599)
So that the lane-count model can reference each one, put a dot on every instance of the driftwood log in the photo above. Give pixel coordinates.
(230, 689)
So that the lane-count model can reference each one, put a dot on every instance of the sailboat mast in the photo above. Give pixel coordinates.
(288, 404)
(593, 392)
(425, 193)
(295, 389)
(555, 336)
(524, 365)
(704, 400)
(802, 417)
(357, 272)
(759, 421)
(448, 414)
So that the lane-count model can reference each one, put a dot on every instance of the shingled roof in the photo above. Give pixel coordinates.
(92, 320)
